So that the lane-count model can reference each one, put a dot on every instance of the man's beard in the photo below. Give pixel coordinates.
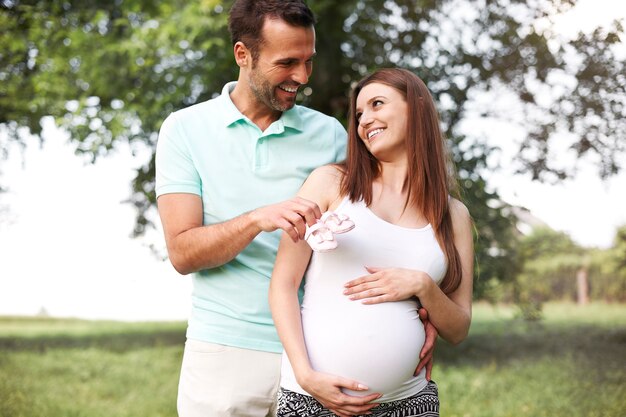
(265, 93)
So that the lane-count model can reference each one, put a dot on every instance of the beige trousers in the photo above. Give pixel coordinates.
(224, 381)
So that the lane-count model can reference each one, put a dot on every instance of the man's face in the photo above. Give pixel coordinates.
(283, 65)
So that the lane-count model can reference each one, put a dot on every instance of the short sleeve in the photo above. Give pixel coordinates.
(341, 141)
(175, 168)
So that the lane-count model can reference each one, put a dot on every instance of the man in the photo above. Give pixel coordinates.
(226, 173)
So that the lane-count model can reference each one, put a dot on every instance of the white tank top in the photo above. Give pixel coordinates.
(377, 345)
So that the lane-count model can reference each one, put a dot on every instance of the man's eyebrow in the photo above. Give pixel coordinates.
(292, 59)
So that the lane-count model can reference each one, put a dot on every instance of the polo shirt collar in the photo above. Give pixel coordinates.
(230, 112)
(289, 119)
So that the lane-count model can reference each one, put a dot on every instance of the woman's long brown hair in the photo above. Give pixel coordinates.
(430, 177)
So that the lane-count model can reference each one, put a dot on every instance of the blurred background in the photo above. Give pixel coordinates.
(532, 96)
(532, 101)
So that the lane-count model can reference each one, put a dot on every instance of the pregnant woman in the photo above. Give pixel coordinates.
(357, 331)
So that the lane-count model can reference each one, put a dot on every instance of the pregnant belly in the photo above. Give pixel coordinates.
(376, 345)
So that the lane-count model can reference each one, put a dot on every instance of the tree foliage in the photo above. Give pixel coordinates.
(608, 270)
(110, 72)
(549, 262)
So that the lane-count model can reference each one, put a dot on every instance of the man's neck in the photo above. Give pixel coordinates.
(249, 106)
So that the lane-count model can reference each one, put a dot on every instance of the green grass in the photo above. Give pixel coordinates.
(27, 333)
(78, 368)
(570, 364)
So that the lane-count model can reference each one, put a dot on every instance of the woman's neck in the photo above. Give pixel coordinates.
(393, 178)
(390, 191)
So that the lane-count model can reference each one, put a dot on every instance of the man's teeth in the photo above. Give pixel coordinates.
(289, 89)
(374, 132)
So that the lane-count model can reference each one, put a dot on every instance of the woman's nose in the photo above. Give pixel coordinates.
(365, 120)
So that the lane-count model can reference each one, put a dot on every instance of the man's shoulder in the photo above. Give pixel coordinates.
(313, 118)
(307, 112)
(197, 116)
(188, 123)
(203, 107)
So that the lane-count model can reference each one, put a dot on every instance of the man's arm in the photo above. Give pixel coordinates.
(428, 350)
(193, 246)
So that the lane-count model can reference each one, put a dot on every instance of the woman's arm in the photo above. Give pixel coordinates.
(289, 268)
(450, 314)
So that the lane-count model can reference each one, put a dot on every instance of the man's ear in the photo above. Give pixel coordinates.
(242, 54)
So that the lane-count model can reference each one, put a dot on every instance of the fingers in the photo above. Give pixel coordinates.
(429, 341)
(429, 368)
(289, 228)
(299, 212)
(309, 210)
(351, 405)
(364, 292)
(360, 284)
(426, 354)
(351, 385)
(291, 216)
(431, 337)
(363, 279)
(424, 361)
(294, 225)
(341, 403)
(372, 289)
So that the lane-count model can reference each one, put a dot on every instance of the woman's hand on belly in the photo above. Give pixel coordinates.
(327, 389)
(382, 285)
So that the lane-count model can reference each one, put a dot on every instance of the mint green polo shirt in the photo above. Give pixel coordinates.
(212, 150)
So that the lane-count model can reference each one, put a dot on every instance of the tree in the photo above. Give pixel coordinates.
(607, 278)
(112, 71)
(550, 263)
(554, 267)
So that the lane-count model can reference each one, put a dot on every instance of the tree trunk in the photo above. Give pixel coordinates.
(582, 284)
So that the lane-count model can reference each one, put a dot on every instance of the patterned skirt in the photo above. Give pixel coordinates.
(423, 404)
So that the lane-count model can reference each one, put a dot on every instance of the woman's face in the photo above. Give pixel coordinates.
(381, 112)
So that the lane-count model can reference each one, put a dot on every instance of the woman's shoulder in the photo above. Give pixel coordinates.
(323, 185)
(326, 176)
(459, 213)
(457, 207)
(331, 170)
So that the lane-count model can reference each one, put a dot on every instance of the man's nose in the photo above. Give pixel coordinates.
(301, 73)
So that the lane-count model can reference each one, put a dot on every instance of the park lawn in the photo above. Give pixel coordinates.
(570, 364)
(79, 368)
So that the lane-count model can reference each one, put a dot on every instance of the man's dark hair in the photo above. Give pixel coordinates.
(247, 16)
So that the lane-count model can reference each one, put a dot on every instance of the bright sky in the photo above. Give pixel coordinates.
(65, 245)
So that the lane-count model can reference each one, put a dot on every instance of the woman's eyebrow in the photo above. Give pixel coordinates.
(375, 98)
(358, 109)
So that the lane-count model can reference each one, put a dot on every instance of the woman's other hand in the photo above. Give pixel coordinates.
(327, 389)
